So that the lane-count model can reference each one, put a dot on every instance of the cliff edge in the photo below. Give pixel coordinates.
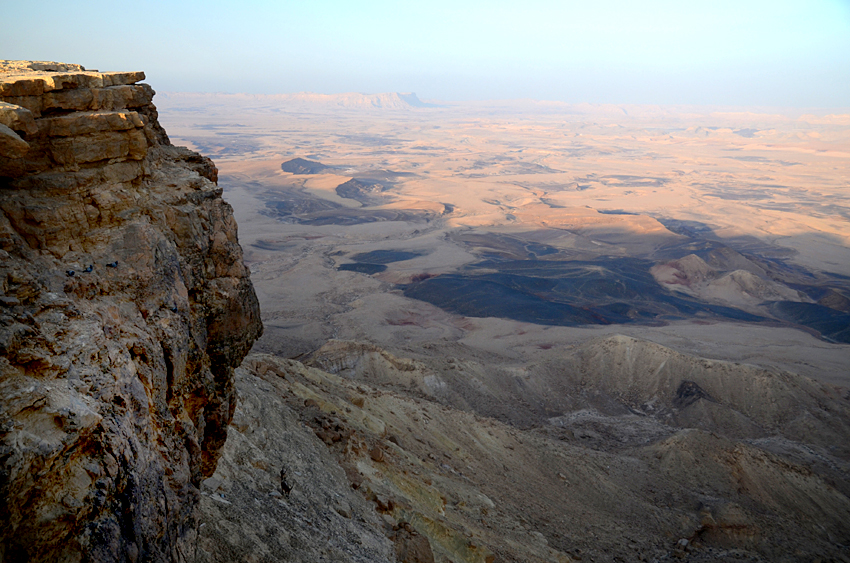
(125, 307)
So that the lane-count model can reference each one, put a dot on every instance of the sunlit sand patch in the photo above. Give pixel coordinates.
(429, 206)
(324, 186)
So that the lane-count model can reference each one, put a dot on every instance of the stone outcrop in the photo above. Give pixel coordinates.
(125, 307)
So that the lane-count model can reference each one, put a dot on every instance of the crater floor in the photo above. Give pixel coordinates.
(655, 305)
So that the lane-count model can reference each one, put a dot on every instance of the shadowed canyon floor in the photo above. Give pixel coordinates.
(534, 332)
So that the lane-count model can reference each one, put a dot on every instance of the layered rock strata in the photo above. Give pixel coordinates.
(125, 306)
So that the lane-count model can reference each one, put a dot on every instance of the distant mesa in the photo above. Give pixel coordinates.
(303, 101)
(413, 100)
(355, 100)
(303, 166)
(747, 133)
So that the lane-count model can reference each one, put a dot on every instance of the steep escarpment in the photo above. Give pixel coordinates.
(125, 307)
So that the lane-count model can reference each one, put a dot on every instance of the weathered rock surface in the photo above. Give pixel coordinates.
(125, 307)
(648, 447)
(447, 485)
(279, 494)
(624, 379)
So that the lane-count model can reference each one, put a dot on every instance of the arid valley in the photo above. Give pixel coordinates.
(533, 331)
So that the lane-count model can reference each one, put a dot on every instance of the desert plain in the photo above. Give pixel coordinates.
(646, 309)
(761, 198)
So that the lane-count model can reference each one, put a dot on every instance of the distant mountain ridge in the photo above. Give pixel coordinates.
(718, 117)
(390, 100)
(349, 100)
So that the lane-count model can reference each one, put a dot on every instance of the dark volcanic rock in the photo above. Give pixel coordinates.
(386, 256)
(302, 166)
(563, 292)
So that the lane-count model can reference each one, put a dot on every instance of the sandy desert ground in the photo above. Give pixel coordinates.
(570, 332)
(764, 198)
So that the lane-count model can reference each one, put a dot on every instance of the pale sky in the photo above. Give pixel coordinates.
(761, 53)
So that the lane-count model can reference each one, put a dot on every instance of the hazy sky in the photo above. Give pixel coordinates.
(785, 53)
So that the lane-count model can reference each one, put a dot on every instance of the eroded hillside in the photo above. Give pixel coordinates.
(650, 455)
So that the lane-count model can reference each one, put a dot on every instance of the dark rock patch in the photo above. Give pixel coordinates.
(386, 256)
(302, 166)
(363, 268)
(689, 393)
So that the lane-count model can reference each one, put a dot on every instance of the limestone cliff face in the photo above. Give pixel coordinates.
(125, 306)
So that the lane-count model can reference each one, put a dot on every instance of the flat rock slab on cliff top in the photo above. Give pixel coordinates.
(57, 115)
(45, 87)
(30, 66)
(27, 78)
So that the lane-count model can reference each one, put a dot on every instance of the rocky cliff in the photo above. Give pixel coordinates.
(125, 307)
